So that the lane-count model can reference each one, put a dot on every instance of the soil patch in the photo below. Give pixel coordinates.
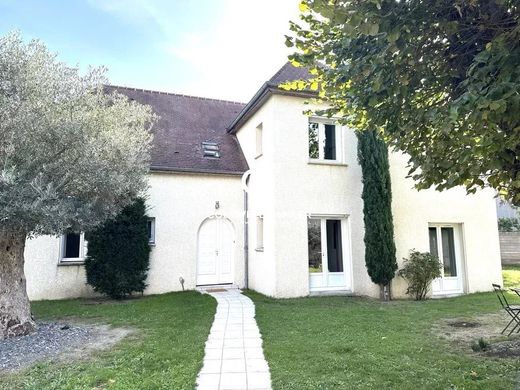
(462, 333)
(464, 324)
(57, 341)
(504, 349)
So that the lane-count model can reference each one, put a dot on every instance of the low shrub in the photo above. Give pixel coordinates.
(480, 346)
(419, 270)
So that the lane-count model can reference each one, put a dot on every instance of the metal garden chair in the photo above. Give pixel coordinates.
(512, 310)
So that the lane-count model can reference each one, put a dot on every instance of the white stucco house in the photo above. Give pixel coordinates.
(304, 229)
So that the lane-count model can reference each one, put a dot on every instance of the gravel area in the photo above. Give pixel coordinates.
(55, 340)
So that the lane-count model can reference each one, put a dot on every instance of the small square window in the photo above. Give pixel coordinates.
(151, 230)
(259, 140)
(73, 247)
(260, 233)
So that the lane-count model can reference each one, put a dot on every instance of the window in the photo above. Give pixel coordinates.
(324, 141)
(324, 243)
(73, 247)
(442, 245)
(259, 140)
(260, 233)
(211, 149)
(151, 230)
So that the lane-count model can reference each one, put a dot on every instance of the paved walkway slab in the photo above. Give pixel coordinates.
(234, 359)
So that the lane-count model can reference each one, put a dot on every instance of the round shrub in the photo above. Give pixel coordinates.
(119, 253)
(419, 270)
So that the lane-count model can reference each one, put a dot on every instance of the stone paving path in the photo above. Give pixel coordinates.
(234, 359)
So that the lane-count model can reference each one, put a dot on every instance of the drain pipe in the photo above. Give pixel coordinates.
(245, 179)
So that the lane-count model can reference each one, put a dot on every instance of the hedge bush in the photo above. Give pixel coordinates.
(119, 253)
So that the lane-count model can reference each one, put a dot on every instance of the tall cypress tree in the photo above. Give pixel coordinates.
(377, 210)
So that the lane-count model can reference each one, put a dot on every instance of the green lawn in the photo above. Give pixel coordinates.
(310, 343)
(165, 353)
(357, 343)
(511, 275)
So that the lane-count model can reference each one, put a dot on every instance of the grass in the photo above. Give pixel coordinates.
(165, 353)
(511, 274)
(358, 343)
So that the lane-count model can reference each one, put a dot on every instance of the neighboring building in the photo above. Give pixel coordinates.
(305, 212)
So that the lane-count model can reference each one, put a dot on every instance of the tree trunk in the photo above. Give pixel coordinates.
(15, 309)
(384, 292)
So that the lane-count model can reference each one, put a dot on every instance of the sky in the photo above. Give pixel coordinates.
(224, 49)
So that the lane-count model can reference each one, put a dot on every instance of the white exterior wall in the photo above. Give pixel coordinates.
(476, 214)
(46, 279)
(179, 203)
(261, 198)
(286, 188)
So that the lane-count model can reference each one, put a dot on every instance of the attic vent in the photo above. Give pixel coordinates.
(211, 149)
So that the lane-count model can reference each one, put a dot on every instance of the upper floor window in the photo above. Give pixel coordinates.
(324, 140)
(260, 233)
(73, 247)
(259, 140)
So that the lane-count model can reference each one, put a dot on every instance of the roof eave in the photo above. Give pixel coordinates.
(259, 99)
(164, 169)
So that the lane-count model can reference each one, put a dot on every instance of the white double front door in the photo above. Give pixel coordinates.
(215, 252)
(446, 244)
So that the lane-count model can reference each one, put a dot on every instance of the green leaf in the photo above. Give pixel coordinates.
(393, 36)
(494, 106)
(373, 29)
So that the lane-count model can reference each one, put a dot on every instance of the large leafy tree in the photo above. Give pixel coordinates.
(440, 79)
(71, 156)
(377, 210)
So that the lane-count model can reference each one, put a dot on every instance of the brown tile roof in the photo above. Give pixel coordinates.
(184, 123)
(288, 72)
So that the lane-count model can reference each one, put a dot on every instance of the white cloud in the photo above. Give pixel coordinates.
(243, 50)
(231, 56)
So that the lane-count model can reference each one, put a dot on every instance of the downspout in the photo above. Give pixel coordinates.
(246, 243)
(245, 179)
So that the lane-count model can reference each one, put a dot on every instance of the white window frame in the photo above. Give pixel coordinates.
(151, 239)
(82, 250)
(259, 141)
(259, 233)
(321, 140)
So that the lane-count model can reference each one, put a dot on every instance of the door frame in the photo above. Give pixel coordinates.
(458, 237)
(346, 244)
(233, 236)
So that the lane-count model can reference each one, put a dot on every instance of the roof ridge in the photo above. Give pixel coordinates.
(174, 94)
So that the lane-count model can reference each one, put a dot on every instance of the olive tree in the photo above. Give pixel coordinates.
(440, 79)
(71, 156)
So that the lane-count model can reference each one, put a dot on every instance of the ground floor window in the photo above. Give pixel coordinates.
(73, 247)
(151, 230)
